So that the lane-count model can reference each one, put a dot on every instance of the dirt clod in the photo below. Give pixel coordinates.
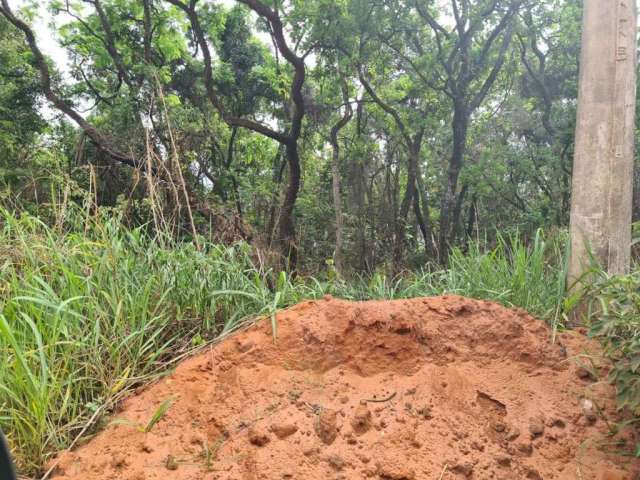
(258, 436)
(389, 470)
(326, 426)
(457, 381)
(525, 448)
(513, 434)
(361, 422)
(536, 427)
(336, 462)
(284, 430)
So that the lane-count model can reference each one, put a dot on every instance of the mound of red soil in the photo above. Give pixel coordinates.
(434, 388)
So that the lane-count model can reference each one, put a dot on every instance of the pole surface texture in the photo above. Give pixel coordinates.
(602, 186)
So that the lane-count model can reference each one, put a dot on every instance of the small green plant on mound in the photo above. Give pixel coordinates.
(157, 415)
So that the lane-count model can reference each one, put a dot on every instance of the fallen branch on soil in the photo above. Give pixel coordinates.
(444, 470)
(381, 400)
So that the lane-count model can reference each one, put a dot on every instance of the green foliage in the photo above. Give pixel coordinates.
(530, 275)
(615, 313)
(157, 415)
(85, 318)
(89, 309)
(246, 73)
(20, 120)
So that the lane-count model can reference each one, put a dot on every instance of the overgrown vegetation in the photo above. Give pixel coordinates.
(462, 120)
(85, 317)
(615, 313)
(379, 149)
(89, 309)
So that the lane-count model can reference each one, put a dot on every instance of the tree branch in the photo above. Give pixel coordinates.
(45, 79)
(385, 106)
(109, 41)
(493, 74)
(201, 40)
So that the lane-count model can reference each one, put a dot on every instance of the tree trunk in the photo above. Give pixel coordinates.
(335, 172)
(457, 213)
(460, 126)
(430, 244)
(636, 195)
(286, 227)
(405, 205)
(279, 163)
(422, 224)
(337, 205)
(472, 220)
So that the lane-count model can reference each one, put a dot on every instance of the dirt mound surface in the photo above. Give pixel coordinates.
(430, 388)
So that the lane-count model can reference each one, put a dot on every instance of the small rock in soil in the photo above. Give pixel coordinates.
(513, 434)
(336, 462)
(258, 437)
(465, 468)
(284, 430)
(326, 426)
(361, 421)
(171, 463)
(584, 374)
(536, 427)
(533, 474)
(589, 411)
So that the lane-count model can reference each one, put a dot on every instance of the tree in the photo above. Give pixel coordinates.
(288, 138)
(335, 171)
(466, 75)
(20, 119)
(55, 98)
(382, 49)
(416, 124)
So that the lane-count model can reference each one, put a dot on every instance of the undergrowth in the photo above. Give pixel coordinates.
(90, 309)
(614, 310)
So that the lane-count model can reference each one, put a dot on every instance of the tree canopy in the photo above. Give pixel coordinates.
(377, 134)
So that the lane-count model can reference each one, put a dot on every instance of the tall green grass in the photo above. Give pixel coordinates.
(84, 318)
(89, 309)
(530, 276)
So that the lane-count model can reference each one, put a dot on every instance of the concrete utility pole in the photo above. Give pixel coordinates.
(604, 152)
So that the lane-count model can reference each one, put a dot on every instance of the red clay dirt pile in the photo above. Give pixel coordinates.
(430, 388)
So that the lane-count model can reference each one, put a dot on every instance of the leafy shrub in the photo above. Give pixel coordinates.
(615, 321)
